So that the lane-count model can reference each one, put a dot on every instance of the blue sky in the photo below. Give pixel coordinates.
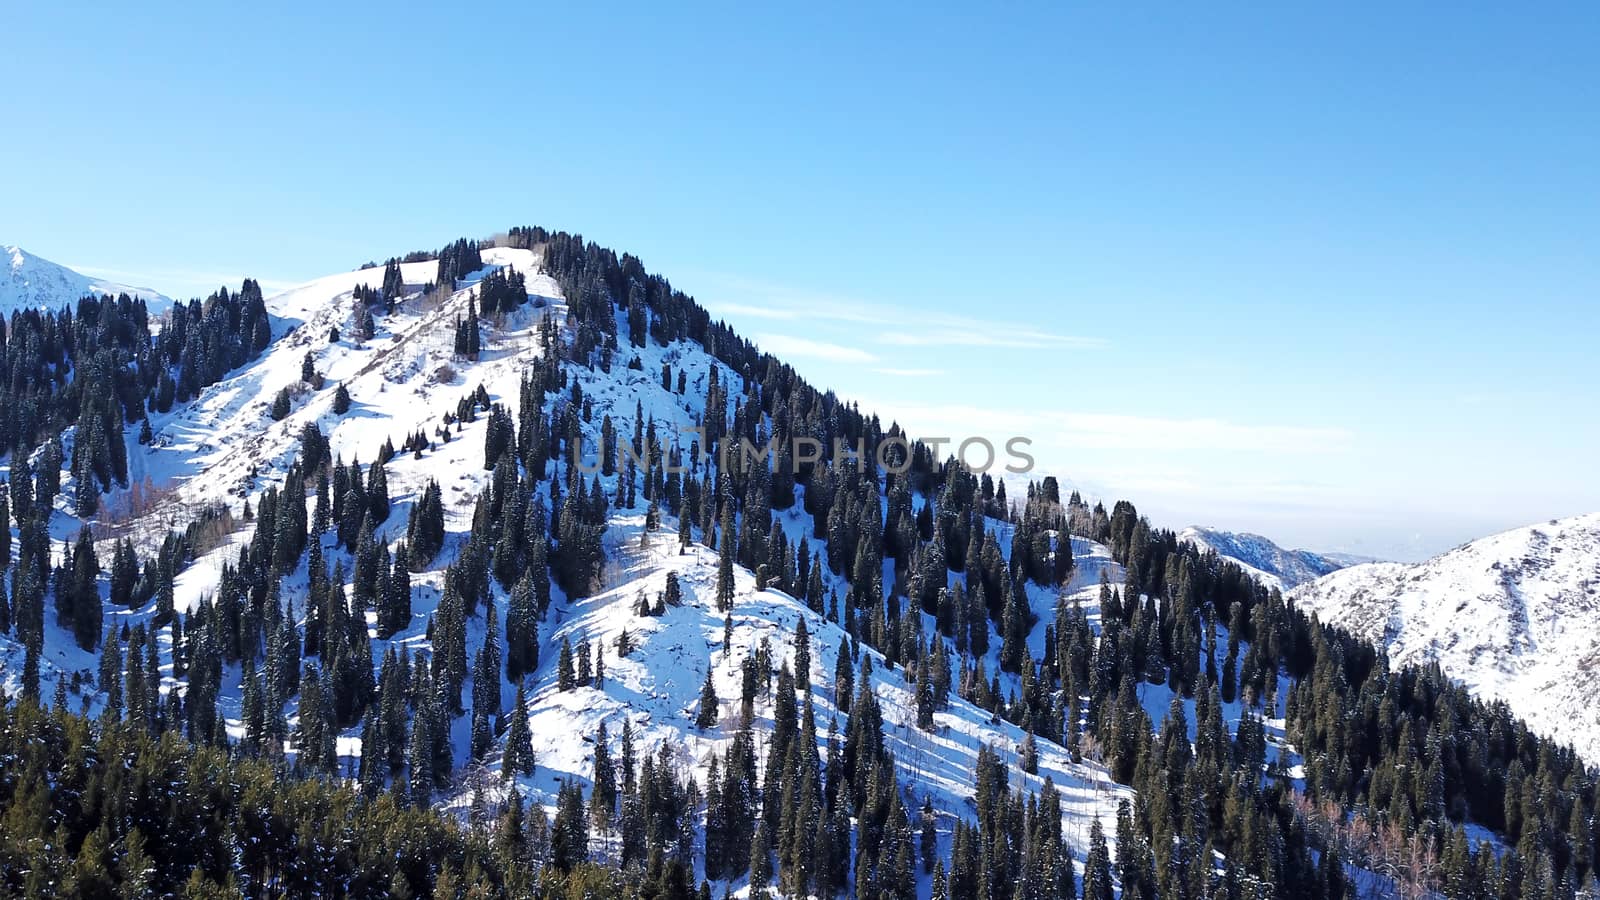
(1326, 274)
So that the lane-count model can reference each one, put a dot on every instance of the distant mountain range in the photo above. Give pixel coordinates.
(1275, 566)
(33, 282)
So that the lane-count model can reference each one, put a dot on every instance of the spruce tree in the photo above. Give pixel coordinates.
(603, 798)
(760, 860)
(1097, 884)
(566, 678)
(486, 665)
(725, 560)
(802, 655)
(522, 630)
(419, 757)
(707, 717)
(83, 598)
(519, 759)
(481, 737)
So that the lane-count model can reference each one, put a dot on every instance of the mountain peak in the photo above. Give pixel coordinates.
(33, 282)
(1261, 557)
(1511, 616)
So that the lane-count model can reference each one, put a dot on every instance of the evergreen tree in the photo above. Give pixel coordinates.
(760, 860)
(522, 630)
(707, 717)
(725, 561)
(569, 839)
(802, 655)
(77, 596)
(1097, 884)
(519, 759)
(566, 678)
(280, 405)
(603, 798)
(419, 757)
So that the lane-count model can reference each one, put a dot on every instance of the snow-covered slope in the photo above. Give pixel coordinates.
(32, 282)
(224, 446)
(1275, 566)
(1514, 617)
(656, 687)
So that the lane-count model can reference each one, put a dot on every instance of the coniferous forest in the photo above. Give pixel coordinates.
(209, 752)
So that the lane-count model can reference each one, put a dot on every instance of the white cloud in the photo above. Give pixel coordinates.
(788, 345)
(980, 334)
(1115, 431)
(753, 311)
(733, 295)
(1129, 432)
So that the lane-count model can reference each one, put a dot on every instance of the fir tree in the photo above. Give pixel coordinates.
(707, 717)
(760, 860)
(1097, 884)
(725, 561)
(280, 405)
(603, 798)
(522, 630)
(519, 759)
(802, 655)
(566, 678)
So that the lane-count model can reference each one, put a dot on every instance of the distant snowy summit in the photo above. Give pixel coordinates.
(32, 282)
(1514, 617)
(1273, 565)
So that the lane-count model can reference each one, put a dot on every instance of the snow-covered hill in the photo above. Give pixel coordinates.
(1514, 617)
(228, 446)
(32, 282)
(224, 446)
(1272, 564)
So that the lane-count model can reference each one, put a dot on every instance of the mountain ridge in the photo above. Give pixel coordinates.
(33, 282)
(1264, 558)
(1515, 616)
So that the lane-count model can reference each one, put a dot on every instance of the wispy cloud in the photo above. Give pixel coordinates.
(981, 335)
(735, 296)
(752, 311)
(1110, 431)
(789, 345)
(1121, 432)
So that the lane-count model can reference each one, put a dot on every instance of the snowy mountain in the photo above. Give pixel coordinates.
(225, 447)
(393, 383)
(1273, 565)
(32, 282)
(1514, 617)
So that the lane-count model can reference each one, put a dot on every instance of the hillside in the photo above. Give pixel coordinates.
(31, 282)
(225, 447)
(1513, 617)
(347, 528)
